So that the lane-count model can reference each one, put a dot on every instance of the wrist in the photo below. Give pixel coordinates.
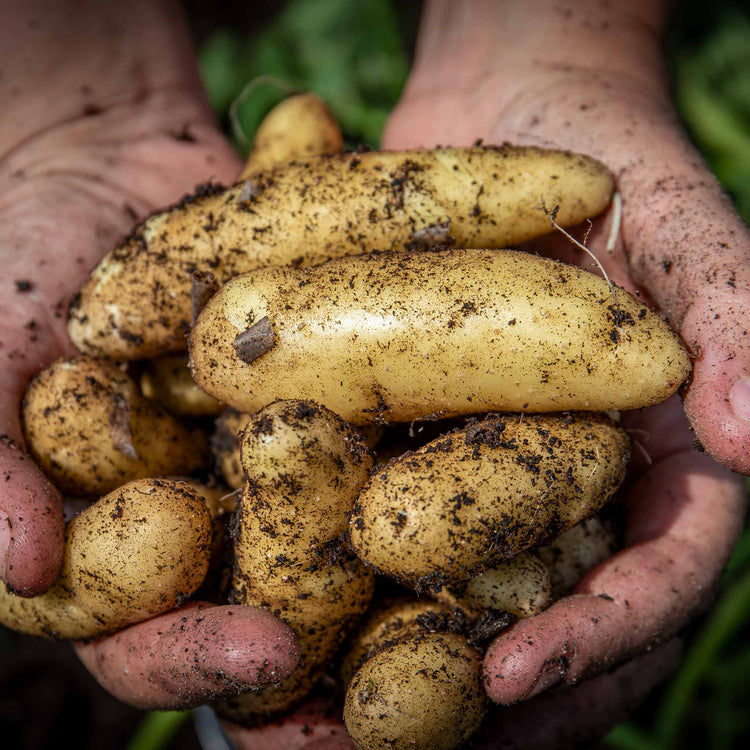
(490, 53)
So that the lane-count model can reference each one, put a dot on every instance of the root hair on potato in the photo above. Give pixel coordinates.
(552, 216)
(614, 228)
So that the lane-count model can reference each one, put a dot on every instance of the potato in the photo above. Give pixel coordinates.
(484, 493)
(577, 551)
(313, 463)
(137, 552)
(137, 301)
(301, 126)
(167, 381)
(225, 444)
(422, 692)
(521, 586)
(304, 468)
(389, 621)
(90, 430)
(399, 337)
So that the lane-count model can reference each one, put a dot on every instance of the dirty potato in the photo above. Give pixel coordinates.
(137, 301)
(135, 553)
(398, 337)
(486, 492)
(89, 428)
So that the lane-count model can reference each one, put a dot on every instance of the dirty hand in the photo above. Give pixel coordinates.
(105, 121)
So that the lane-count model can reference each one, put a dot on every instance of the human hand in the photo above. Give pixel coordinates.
(590, 78)
(106, 121)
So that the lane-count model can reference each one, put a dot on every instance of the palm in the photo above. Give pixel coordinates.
(69, 193)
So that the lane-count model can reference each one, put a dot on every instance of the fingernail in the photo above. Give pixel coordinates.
(551, 673)
(739, 397)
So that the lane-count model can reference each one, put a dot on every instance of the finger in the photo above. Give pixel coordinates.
(683, 520)
(316, 724)
(194, 655)
(32, 528)
(576, 716)
(717, 401)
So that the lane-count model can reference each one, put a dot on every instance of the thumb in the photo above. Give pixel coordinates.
(31, 523)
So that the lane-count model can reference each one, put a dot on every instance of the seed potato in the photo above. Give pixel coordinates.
(139, 551)
(484, 493)
(90, 430)
(137, 301)
(399, 337)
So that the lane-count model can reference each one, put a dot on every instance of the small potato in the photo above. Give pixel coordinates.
(299, 127)
(422, 692)
(137, 552)
(225, 445)
(521, 586)
(399, 337)
(577, 551)
(90, 430)
(390, 621)
(288, 440)
(167, 382)
(137, 301)
(486, 492)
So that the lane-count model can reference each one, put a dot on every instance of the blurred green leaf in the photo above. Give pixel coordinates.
(157, 730)
(350, 54)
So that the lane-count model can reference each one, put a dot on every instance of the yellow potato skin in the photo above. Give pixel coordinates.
(166, 381)
(137, 303)
(388, 621)
(422, 692)
(137, 552)
(484, 493)
(89, 428)
(399, 337)
(521, 586)
(304, 468)
(288, 440)
(299, 127)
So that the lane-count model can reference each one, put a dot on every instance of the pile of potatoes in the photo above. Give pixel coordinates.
(325, 299)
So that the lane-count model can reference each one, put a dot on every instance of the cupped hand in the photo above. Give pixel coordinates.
(106, 122)
(590, 79)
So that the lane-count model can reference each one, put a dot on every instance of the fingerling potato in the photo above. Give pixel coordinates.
(483, 493)
(137, 301)
(398, 337)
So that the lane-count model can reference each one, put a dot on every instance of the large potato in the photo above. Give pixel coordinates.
(137, 302)
(137, 552)
(398, 337)
(486, 492)
(91, 430)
